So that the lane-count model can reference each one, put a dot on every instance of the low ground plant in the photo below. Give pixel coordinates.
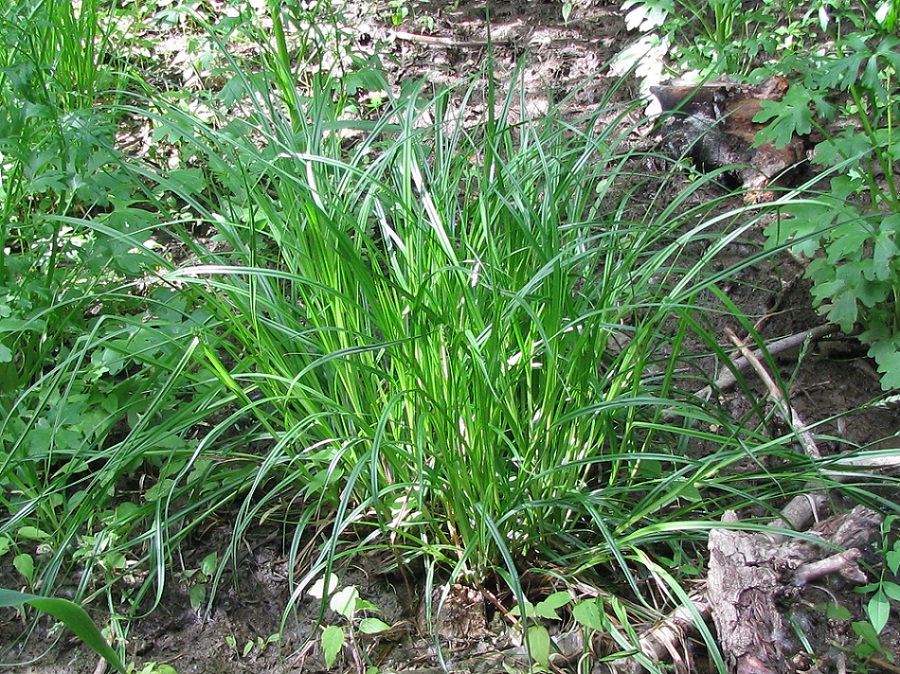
(850, 230)
(72, 230)
(843, 62)
(712, 37)
(70, 221)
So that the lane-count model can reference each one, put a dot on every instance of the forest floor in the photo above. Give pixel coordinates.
(447, 44)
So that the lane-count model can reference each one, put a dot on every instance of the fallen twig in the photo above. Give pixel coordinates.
(788, 413)
(803, 508)
(442, 41)
(505, 39)
(728, 378)
(843, 563)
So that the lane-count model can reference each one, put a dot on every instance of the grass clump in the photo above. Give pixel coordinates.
(448, 335)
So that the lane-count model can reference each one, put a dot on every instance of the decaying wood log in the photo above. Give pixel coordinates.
(712, 124)
(752, 582)
(667, 641)
(750, 626)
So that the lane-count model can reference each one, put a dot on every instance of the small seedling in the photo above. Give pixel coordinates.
(885, 589)
(539, 642)
(152, 668)
(347, 603)
(203, 574)
(251, 646)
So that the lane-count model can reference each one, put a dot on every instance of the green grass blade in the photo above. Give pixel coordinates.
(72, 616)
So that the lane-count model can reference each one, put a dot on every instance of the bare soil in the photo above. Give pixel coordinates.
(556, 60)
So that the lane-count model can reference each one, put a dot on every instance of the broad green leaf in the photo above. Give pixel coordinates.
(24, 564)
(517, 610)
(366, 605)
(865, 630)
(872, 293)
(162, 669)
(72, 616)
(789, 116)
(837, 612)
(878, 610)
(332, 642)
(189, 180)
(323, 478)
(847, 243)
(558, 599)
(541, 610)
(160, 490)
(805, 228)
(33, 533)
(844, 311)
(318, 588)
(197, 595)
(547, 608)
(587, 613)
(345, 601)
(893, 558)
(373, 626)
(649, 468)
(844, 71)
(884, 254)
(689, 491)
(871, 77)
(208, 564)
(539, 644)
(114, 561)
(892, 590)
(887, 357)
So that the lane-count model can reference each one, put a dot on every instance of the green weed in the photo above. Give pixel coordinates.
(850, 229)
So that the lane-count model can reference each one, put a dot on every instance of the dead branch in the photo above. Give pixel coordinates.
(804, 508)
(441, 41)
(510, 35)
(843, 563)
(787, 412)
(728, 378)
(666, 639)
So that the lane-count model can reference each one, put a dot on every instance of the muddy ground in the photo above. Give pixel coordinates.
(560, 59)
